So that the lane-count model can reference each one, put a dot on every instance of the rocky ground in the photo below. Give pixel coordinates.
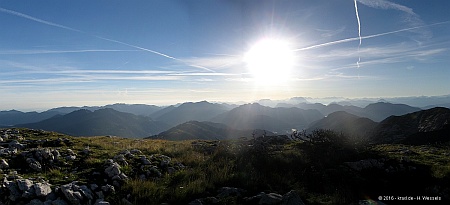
(40, 167)
(40, 171)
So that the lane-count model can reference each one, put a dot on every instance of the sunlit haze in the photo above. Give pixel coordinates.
(270, 61)
(75, 53)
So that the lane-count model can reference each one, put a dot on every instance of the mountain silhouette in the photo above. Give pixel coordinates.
(137, 109)
(346, 123)
(206, 131)
(190, 111)
(13, 117)
(105, 121)
(395, 129)
(381, 110)
(375, 111)
(256, 116)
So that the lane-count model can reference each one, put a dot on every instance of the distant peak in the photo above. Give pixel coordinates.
(199, 102)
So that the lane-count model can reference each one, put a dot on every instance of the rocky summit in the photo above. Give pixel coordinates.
(42, 167)
(47, 168)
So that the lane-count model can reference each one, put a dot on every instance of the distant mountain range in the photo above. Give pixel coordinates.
(376, 111)
(199, 111)
(380, 121)
(206, 131)
(348, 124)
(424, 102)
(137, 109)
(279, 120)
(421, 127)
(105, 121)
(14, 117)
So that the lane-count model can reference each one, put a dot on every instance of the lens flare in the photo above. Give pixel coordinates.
(270, 60)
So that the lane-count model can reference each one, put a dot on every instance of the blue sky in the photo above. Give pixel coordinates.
(73, 53)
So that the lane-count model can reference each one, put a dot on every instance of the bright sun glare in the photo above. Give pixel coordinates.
(270, 60)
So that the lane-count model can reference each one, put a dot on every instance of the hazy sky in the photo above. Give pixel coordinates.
(65, 53)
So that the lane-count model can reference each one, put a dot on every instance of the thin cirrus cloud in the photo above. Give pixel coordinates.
(330, 33)
(216, 62)
(381, 52)
(418, 55)
(384, 58)
(15, 13)
(366, 37)
(401, 52)
(87, 78)
(383, 4)
(113, 72)
(31, 52)
(414, 24)
(27, 74)
(411, 18)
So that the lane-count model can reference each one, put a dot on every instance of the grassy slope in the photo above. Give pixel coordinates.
(316, 171)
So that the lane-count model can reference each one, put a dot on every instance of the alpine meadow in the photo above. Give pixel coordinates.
(224, 102)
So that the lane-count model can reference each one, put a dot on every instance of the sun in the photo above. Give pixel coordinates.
(270, 60)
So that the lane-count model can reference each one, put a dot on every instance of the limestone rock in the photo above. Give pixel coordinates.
(4, 164)
(120, 158)
(24, 184)
(69, 194)
(42, 189)
(270, 199)
(135, 151)
(108, 189)
(101, 203)
(113, 170)
(33, 164)
(16, 144)
(292, 198)
(145, 161)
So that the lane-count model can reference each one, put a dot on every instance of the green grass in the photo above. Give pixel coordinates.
(435, 157)
(316, 171)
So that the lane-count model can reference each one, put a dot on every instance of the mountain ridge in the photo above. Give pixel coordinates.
(195, 130)
(256, 116)
(397, 128)
(191, 111)
(105, 121)
(342, 122)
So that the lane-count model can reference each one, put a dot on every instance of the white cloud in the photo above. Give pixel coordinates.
(330, 33)
(409, 17)
(383, 4)
(216, 62)
(30, 52)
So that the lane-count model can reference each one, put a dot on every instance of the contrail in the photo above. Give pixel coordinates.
(359, 32)
(27, 52)
(137, 47)
(366, 37)
(15, 13)
(155, 52)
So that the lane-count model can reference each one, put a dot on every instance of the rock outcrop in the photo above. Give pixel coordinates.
(290, 198)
